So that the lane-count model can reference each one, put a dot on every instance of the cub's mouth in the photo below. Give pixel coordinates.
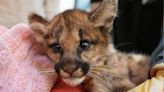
(72, 72)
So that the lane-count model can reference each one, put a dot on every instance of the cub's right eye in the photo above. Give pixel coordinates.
(56, 47)
(85, 45)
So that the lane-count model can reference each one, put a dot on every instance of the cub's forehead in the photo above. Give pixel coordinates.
(66, 26)
(69, 15)
(69, 18)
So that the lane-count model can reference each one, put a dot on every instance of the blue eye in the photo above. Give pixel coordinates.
(56, 47)
(85, 44)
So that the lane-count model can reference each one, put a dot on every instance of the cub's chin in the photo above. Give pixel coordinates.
(73, 81)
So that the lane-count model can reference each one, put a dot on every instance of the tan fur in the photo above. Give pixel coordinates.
(109, 70)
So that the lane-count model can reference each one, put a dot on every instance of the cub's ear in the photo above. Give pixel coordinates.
(38, 25)
(104, 15)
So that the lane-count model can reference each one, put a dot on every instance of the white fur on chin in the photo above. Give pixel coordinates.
(73, 81)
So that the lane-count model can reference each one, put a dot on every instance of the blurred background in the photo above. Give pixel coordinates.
(138, 27)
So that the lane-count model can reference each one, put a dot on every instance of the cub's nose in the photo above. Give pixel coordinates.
(69, 67)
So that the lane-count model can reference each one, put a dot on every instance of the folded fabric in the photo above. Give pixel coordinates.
(23, 65)
(155, 84)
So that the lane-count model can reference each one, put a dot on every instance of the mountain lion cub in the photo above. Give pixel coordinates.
(80, 44)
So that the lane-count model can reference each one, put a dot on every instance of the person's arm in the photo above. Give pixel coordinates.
(155, 83)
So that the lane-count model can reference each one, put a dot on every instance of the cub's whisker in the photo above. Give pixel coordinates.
(47, 71)
(100, 79)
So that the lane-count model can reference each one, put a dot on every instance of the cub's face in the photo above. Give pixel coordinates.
(75, 40)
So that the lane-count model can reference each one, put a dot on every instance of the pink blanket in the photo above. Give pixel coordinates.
(23, 65)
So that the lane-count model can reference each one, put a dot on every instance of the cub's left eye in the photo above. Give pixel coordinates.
(56, 47)
(85, 45)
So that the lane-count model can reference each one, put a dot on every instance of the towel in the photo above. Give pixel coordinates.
(23, 67)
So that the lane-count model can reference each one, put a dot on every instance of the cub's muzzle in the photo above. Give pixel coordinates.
(73, 68)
